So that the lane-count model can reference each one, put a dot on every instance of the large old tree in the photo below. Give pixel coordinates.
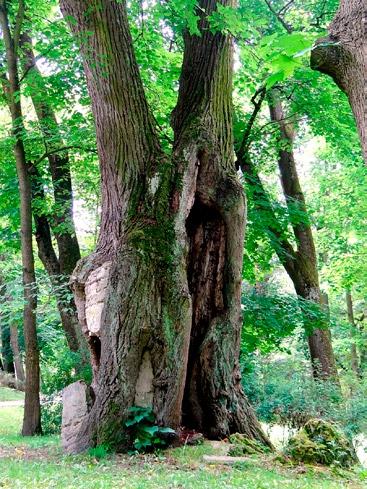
(343, 56)
(160, 296)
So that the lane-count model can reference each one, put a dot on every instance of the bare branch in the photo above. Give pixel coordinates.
(277, 15)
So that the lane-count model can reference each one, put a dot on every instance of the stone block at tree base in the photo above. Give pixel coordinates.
(77, 400)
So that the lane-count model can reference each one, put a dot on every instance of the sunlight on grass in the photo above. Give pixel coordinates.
(7, 394)
(10, 428)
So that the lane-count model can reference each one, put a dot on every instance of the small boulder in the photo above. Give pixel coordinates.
(321, 442)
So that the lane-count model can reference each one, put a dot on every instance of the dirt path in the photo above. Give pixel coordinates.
(7, 404)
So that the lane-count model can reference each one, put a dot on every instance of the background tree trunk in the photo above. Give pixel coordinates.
(343, 56)
(32, 412)
(354, 360)
(7, 364)
(300, 264)
(18, 364)
(161, 293)
(303, 273)
(6, 350)
(62, 223)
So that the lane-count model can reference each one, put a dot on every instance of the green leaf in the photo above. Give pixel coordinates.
(274, 78)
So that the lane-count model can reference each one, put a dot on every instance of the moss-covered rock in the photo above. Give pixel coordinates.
(244, 446)
(321, 442)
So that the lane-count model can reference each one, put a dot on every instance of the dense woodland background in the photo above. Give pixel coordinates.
(298, 157)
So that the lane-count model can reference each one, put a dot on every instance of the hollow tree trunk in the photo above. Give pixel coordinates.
(303, 271)
(343, 56)
(62, 223)
(32, 414)
(354, 360)
(161, 293)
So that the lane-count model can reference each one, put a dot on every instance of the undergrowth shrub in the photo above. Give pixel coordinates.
(145, 435)
(51, 414)
(283, 391)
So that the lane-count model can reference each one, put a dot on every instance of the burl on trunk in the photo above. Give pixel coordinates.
(160, 297)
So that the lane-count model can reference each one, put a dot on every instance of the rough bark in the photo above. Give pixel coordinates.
(343, 56)
(354, 359)
(32, 414)
(60, 267)
(303, 271)
(161, 294)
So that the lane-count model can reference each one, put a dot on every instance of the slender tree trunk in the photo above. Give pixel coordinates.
(7, 364)
(18, 364)
(354, 360)
(161, 293)
(6, 351)
(32, 414)
(62, 222)
(303, 273)
(343, 56)
(50, 261)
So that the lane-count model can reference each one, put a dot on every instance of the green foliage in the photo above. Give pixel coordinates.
(271, 316)
(99, 452)
(144, 433)
(283, 391)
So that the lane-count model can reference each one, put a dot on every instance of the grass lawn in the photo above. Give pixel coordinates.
(39, 463)
(7, 394)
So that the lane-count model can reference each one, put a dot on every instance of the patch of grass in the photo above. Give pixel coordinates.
(7, 394)
(10, 427)
(30, 463)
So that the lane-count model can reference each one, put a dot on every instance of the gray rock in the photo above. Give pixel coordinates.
(77, 400)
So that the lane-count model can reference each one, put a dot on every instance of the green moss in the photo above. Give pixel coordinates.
(242, 445)
(321, 442)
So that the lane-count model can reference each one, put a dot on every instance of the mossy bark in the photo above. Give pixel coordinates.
(163, 286)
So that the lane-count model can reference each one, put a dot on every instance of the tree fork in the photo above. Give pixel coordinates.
(142, 282)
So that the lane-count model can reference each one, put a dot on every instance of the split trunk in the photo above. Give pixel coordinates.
(160, 297)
